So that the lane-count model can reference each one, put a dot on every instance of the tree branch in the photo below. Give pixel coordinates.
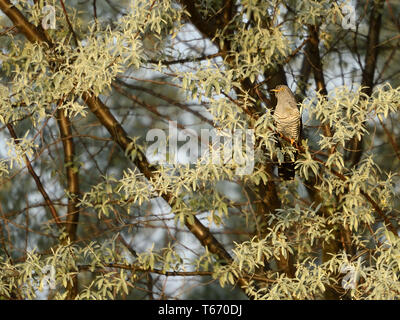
(367, 82)
(35, 177)
(314, 59)
(165, 98)
(64, 125)
(134, 268)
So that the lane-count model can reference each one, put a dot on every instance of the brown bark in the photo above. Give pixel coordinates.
(72, 219)
(371, 56)
(314, 59)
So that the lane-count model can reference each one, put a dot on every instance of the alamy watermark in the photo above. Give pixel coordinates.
(348, 21)
(49, 280)
(219, 147)
(49, 20)
(352, 276)
(349, 16)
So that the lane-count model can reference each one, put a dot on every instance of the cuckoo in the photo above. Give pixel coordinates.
(288, 123)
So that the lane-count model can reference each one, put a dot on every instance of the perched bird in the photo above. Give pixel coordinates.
(288, 123)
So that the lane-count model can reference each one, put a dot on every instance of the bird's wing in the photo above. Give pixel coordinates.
(293, 103)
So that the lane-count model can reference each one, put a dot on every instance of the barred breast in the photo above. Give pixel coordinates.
(289, 126)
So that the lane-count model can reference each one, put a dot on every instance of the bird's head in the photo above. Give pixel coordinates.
(283, 92)
(281, 88)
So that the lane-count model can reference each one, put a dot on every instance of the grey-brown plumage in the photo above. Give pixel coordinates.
(288, 123)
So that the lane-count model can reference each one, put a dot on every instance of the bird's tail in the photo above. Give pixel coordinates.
(286, 169)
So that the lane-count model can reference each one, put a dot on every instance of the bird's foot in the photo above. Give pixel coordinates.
(294, 143)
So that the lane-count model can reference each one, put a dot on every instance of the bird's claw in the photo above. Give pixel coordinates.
(294, 143)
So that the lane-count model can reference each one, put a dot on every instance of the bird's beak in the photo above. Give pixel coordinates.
(276, 90)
